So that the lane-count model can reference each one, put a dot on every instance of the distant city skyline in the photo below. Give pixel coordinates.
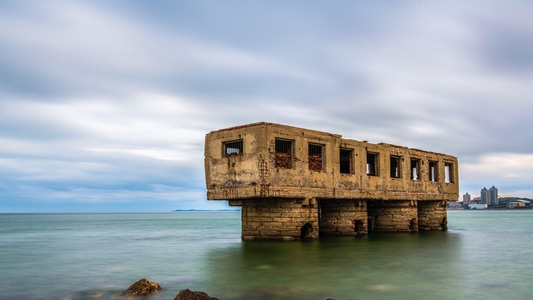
(477, 195)
(490, 196)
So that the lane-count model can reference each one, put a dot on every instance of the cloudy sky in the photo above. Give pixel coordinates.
(104, 105)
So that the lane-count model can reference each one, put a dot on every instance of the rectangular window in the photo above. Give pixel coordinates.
(395, 162)
(448, 172)
(433, 175)
(233, 148)
(284, 152)
(346, 161)
(372, 164)
(315, 157)
(415, 169)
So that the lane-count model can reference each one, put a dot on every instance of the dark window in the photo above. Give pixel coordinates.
(415, 169)
(316, 163)
(284, 150)
(346, 161)
(433, 171)
(233, 148)
(372, 164)
(395, 162)
(448, 172)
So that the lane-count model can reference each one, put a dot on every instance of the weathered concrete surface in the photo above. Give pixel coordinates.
(432, 215)
(285, 219)
(287, 178)
(343, 217)
(393, 216)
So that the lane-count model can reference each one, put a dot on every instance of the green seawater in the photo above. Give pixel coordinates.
(483, 255)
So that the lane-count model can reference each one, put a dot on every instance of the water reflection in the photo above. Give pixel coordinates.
(399, 266)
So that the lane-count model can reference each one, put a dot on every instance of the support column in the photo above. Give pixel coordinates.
(343, 217)
(392, 216)
(279, 219)
(432, 215)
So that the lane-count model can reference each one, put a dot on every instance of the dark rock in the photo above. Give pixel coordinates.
(193, 295)
(143, 287)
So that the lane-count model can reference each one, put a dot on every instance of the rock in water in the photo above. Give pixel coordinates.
(143, 287)
(190, 295)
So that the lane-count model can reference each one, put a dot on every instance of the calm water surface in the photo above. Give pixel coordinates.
(484, 255)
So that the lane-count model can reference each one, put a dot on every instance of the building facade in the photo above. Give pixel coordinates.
(484, 195)
(489, 196)
(493, 196)
(467, 198)
(297, 183)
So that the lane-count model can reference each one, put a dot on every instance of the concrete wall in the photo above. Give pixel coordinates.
(393, 216)
(432, 215)
(343, 217)
(254, 173)
(293, 219)
(279, 219)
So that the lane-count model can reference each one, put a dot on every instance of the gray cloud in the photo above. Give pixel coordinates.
(104, 106)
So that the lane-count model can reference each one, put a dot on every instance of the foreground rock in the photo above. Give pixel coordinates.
(193, 295)
(142, 288)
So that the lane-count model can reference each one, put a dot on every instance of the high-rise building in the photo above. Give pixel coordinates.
(493, 196)
(489, 196)
(467, 198)
(484, 195)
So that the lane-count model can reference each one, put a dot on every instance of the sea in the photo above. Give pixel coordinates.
(485, 254)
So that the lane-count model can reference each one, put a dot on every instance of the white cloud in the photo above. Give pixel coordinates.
(510, 172)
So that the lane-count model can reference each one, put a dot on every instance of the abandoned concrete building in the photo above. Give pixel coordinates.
(294, 183)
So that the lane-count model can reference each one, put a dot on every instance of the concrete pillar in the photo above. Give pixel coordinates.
(279, 219)
(432, 215)
(392, 216)
(343, 217)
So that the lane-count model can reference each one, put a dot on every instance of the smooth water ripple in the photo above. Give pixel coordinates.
(484, 255)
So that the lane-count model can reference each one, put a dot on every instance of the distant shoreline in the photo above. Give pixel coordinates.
(207, 210)
(117, 212)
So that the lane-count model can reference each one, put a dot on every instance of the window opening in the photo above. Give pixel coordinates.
(346, 161)
(315, 157)
(415, 169)
(284, 152)
(395, 166)
(233, 148)
(372, 164)
(448, 172)
(433, 171)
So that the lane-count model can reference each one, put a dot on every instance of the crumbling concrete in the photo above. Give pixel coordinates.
(295, 183)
